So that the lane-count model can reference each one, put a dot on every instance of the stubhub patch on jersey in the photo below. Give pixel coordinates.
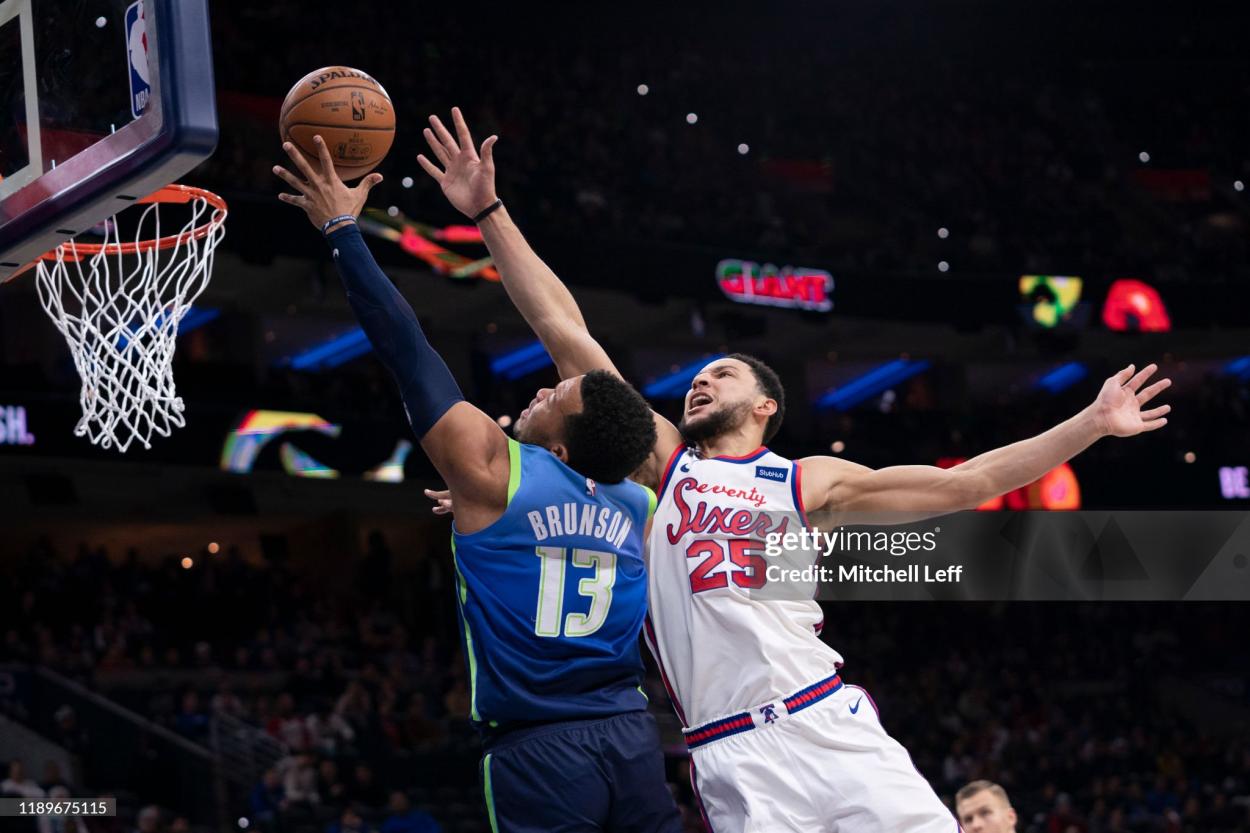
(772, 473)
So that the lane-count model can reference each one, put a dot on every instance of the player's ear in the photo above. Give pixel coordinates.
(560, 450)
(766, 407)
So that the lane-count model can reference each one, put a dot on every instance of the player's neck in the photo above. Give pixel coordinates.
(729, 445)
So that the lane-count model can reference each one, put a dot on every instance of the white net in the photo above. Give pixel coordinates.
(119, 313)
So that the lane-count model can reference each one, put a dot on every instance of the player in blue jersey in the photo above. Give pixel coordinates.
(548, 542)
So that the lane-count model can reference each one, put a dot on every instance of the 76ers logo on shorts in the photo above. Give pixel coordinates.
(137, 51)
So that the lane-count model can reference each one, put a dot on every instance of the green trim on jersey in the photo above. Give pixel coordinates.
(651, 501)
(514, 468)
(468, 635)
(490, 796)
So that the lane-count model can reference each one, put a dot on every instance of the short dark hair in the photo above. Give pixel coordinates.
(770, 383)
(615, 431)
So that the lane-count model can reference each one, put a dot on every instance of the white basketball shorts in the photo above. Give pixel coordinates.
(827, 767)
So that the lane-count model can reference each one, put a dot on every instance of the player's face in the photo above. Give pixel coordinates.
(986, 812)
(542, 422)
(720, 398)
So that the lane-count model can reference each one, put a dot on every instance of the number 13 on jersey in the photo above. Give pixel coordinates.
(598, 586)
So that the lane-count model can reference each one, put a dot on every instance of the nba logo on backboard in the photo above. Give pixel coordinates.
(137, 51)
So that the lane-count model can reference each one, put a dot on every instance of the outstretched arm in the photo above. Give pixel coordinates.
(466, 446)
(467, 179)
(838, 485)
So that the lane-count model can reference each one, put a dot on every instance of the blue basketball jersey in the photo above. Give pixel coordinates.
(552, 596)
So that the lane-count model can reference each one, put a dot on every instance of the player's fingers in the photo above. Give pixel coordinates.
(1149, 393)
(437, 147)
(488, 152)
(294, 199)
(462, 132)
(1140, 379)
(1124, 375)
(290, 179)
(1154, 424)
(366, 184)
(1155, 413)
(430, 168)
(299, 159)
(323, 152)
(438, 494)
(444, 136)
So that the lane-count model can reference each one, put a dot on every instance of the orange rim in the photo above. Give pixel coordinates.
(171, 195)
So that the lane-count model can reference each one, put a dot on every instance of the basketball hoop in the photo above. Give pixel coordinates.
(121, 319)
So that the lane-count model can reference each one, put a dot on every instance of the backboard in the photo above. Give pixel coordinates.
(101, 103)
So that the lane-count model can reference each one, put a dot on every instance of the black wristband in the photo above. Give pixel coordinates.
(486, 212)
(325, 227)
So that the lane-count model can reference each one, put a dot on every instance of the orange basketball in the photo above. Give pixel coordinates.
(350, 111)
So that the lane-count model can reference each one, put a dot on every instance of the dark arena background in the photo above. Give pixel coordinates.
(943, 223)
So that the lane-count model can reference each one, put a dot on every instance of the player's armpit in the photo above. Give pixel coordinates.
(470, 452)
(896, 494)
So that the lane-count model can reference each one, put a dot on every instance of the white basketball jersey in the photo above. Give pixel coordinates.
(720, 650)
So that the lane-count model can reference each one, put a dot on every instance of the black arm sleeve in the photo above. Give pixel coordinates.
(426, 385)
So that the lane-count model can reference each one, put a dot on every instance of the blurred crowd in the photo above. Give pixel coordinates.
(805, 133)
(1085, 713)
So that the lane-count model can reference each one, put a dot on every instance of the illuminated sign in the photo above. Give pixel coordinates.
(1057, 489)
(1135, 307)
(13, 426)
(257, 429)
(796, 287)
(1050, 300)
(1235, 482)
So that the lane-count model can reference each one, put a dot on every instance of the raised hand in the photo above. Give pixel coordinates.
(1118, 408)
(322, 194)
(467, 178)
(442, 501)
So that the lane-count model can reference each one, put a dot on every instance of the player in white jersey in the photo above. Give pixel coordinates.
(778, 741)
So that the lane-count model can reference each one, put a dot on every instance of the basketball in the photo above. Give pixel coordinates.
(351, 112)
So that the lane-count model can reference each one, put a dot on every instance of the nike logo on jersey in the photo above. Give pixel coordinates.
(855, 708)
(684, 467)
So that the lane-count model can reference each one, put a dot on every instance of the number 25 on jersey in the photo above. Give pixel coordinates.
(746, 566)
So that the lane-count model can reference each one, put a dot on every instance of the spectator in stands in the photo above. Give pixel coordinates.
(299, 780)
(404, 818)
(288, 727)
(148, 820)
(19, 785)
(365, 789)
(192, 721)
(1064, 818)
(983, 807)
(329, 786)
(52, 777)
(64, 824)
(268, 799)
(67, 734)
(349, 822)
